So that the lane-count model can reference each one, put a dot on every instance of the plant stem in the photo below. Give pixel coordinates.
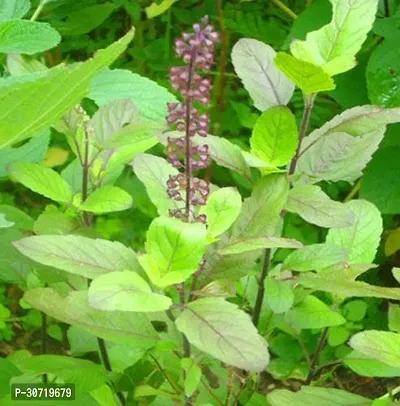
(38, 10)
(353, 191)
(285, 8)
(261, 288)
(316, 355)
(174, 386)
(44, 342)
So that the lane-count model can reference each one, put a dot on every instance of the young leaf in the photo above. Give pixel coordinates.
(222, 330)
(10, 9)
(222, 208)
(192, 377)
(27, 37)
(119, 327)
(125, 291)
(361, 240)
(313, 313)
(107, 199)
(154, 173)
(315, 207)
(59, 89)
(313, 396)
(173, 250)
(267, 86)
(364, 365)
(383, 346)
(306, 76)
(334, 46)
(279, 295)
(42, 180)
(78, 255)
(314, 257)
(150, 98)
(274, 137)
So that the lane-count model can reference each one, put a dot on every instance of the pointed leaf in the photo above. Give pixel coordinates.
(107, 199)
(267, 86)
(222, 330)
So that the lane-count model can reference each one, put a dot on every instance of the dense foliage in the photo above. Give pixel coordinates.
(199, 201)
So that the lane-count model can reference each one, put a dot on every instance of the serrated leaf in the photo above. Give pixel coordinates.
(314, 257)
(361, 240)
(222, 330)
(364, 365)
(34, 105)
(10, 9)
(274, 137)
(42, 180)
(334, 46)
(315, 207)
(222, 208)
(119, 327)
(313, 313)
(306, 76)
(267, 86)
(253, 244)
(107, 199)
(383, 346)
(125, 291)
(150, 98)
(78, 255)
(27, 37)
(279, 295)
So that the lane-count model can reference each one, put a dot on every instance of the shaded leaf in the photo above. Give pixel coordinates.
(107, 199)
(10, 9)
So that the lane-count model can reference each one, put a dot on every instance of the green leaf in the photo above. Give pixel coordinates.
(59, 90)
(279, 295)
(193, 375)
(315, 207)
(119, 327)
(313, 396)
(4, 223)
(154, 173)
(274, 137)
(125, 291)
(334, 46)
(337, 336)
(27, 37)
(306, 76)
(361, 240)
(156, 8)
(150, 98)
(173, 250)
(107, 199)
(312, 313)
(208, 325)
(253, 244)
(78, 255)
(10, 9)
(222, 208)
(383, 346)
(394, 317)
(355, 310)
(54, 221)
(253, 63)
(42, 180)
(363, 365)
(314, 257)
(7, 371)
(396, 274)
(21, 220)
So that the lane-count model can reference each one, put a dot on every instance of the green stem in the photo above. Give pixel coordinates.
(38, 10)
(44, 342)
(285, 8)
(314, 360)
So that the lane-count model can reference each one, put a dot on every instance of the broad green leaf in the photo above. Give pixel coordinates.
(364, 365)
(42, 180)
(125, 291)
(274, 137)
(55, 156)
(107, 199)
(334, 46)
(314, 206)
(21, 220)
(361, 240)
(394, 317)
(313, 396)
(314, 257)
(253, 63)
(222, 208)
(306, 76)
(253, 244)
(27, 37)
(150, 98)
(156, 8)
(4, 223)
(347, 288)
(279, 295)
(119, 327)
(193, 375)
(32, 106)
(337, 336)
(260, 212)
(173, 250)
(54, 221)
(383, 346)
(355, 310)
(78, 255)
(7, 371)
(10, 9)
(222, 330)
(154, 173)
(313, 313)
